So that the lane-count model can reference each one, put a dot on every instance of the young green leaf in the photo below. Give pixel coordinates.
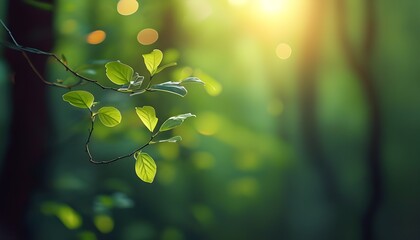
(170, 140)
(161, 68)
(109, 116)
(147, 115)
(79, 98)
(152, 60)
(192, 80)
(145, 167)
(170, 87)
(174, 122)
(119, 73)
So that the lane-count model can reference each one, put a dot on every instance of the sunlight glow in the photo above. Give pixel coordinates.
(147, 36)
(208, 124)
(238, 2)
(127, 7)
(271, 6)
(283, 51)
(96, 37)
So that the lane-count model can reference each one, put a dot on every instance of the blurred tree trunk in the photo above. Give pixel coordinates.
(362, 66)
(308, 83)
(25, 158)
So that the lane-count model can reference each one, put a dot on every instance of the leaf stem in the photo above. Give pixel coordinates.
(91, 158)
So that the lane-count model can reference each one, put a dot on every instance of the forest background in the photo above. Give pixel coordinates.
(307, 127)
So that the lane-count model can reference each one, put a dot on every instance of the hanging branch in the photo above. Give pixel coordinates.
(363, 68)
(130, 82)
(24, 50)
(92, 160)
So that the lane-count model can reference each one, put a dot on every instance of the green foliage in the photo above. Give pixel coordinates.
(80, 99)
(170, 87)
(131, 82)
(145, 167)
(67, 215)
(109, 116)
(170, 140)
(174, 122)
(147, 115)
(119, 73)
(192, 80)
(152, 61)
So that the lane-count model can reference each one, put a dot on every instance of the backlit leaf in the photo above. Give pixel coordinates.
(109, 116)
(170, 140)
(152, 60)
(170, 87)
(145, 167)
(147, 115)
(79, 98)
(119, 73)
(192, 80)
(161, 68)
(174, 121)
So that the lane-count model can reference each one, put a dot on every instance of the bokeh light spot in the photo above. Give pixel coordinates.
(208, 123)
(96, 37)
(203, 160)
(68, 26)
(147, 36)
(104, 223)
(172, 234)
(283, 51)
(127, 7)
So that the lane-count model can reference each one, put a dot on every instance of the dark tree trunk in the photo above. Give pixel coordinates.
(25, 157)
(308, 83)
(362, 67)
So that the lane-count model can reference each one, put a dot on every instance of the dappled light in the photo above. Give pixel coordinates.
(203, 160)
(271, 6)
(208, 123)
(283, 51)
(96, 37)
(147, 36)
(127, 7)
(209, 119)
(104, 223)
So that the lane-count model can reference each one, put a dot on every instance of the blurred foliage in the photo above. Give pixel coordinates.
(240, 171)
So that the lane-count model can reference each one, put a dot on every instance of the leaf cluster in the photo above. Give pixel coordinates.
(133, 83)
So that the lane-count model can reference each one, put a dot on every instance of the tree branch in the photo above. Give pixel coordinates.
(18, 47)
(91, 159)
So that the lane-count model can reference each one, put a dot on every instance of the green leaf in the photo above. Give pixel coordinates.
(145, 167)
(174, 121)
(152, 60)
(109, 116)
(79, 98)
(134, 85)
(147, 115)
(170, 140)
(161, 68)
(170, 87)
(119, 73)
(192, 80)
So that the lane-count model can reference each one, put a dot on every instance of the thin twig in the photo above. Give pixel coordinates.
(23, 49)
(91, 159)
